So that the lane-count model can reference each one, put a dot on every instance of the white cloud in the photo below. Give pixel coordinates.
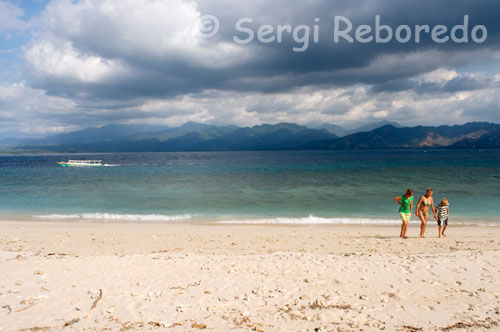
(438, 76)
(92, 39)
(10, 18)
(343, 106)
(59, 59)
(30, 112)
(124, 26)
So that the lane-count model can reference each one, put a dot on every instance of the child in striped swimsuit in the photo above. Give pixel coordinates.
(443, 212)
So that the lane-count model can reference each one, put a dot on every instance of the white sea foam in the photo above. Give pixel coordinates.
(113, 216)
(312, 220)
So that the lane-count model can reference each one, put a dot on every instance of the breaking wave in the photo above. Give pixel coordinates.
(312, 220)
(112, 216)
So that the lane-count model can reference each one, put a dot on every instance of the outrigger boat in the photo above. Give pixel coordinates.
(81, 163)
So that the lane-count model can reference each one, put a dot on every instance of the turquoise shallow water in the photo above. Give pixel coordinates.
(296, 187)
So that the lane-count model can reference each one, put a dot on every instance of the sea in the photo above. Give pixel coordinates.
(272, 187)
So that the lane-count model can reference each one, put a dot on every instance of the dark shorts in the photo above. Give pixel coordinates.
(444, 221)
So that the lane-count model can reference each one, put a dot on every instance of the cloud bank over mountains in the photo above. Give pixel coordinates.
(89, 62)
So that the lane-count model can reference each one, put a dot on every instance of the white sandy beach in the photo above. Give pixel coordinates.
(63, 276)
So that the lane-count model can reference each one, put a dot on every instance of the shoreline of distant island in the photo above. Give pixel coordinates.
(198, 137)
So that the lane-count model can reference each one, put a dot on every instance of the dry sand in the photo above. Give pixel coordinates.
(63, 276)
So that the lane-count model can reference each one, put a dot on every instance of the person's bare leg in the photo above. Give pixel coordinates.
(442, 233)
(405, 229)
(402, 229)
(439, 231)
(422, 223)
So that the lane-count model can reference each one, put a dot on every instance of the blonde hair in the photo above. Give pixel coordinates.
(444, 201)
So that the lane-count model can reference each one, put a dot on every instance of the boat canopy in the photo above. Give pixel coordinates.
(90, 162)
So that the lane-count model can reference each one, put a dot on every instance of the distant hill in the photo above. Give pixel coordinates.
(340, 131)
(284, 136)
(489, 140)
(390, 137)
(88, 135)
(205, 131)
(105, 133)
(334, 129)
(372, 126)
(189, 137)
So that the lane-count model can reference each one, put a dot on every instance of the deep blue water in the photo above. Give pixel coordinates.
(249, 185)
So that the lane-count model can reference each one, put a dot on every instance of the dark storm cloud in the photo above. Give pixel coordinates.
(407, 84)
(457, 84)
(275, 67)
(466, 84)
(428, 87)
(394, 86)
(103, 116)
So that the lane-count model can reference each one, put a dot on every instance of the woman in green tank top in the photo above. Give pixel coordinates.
(405, 209)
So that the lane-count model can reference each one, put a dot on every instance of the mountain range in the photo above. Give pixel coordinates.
(472, 135)
(284, 136)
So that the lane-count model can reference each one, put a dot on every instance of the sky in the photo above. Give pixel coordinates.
(71, 64)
